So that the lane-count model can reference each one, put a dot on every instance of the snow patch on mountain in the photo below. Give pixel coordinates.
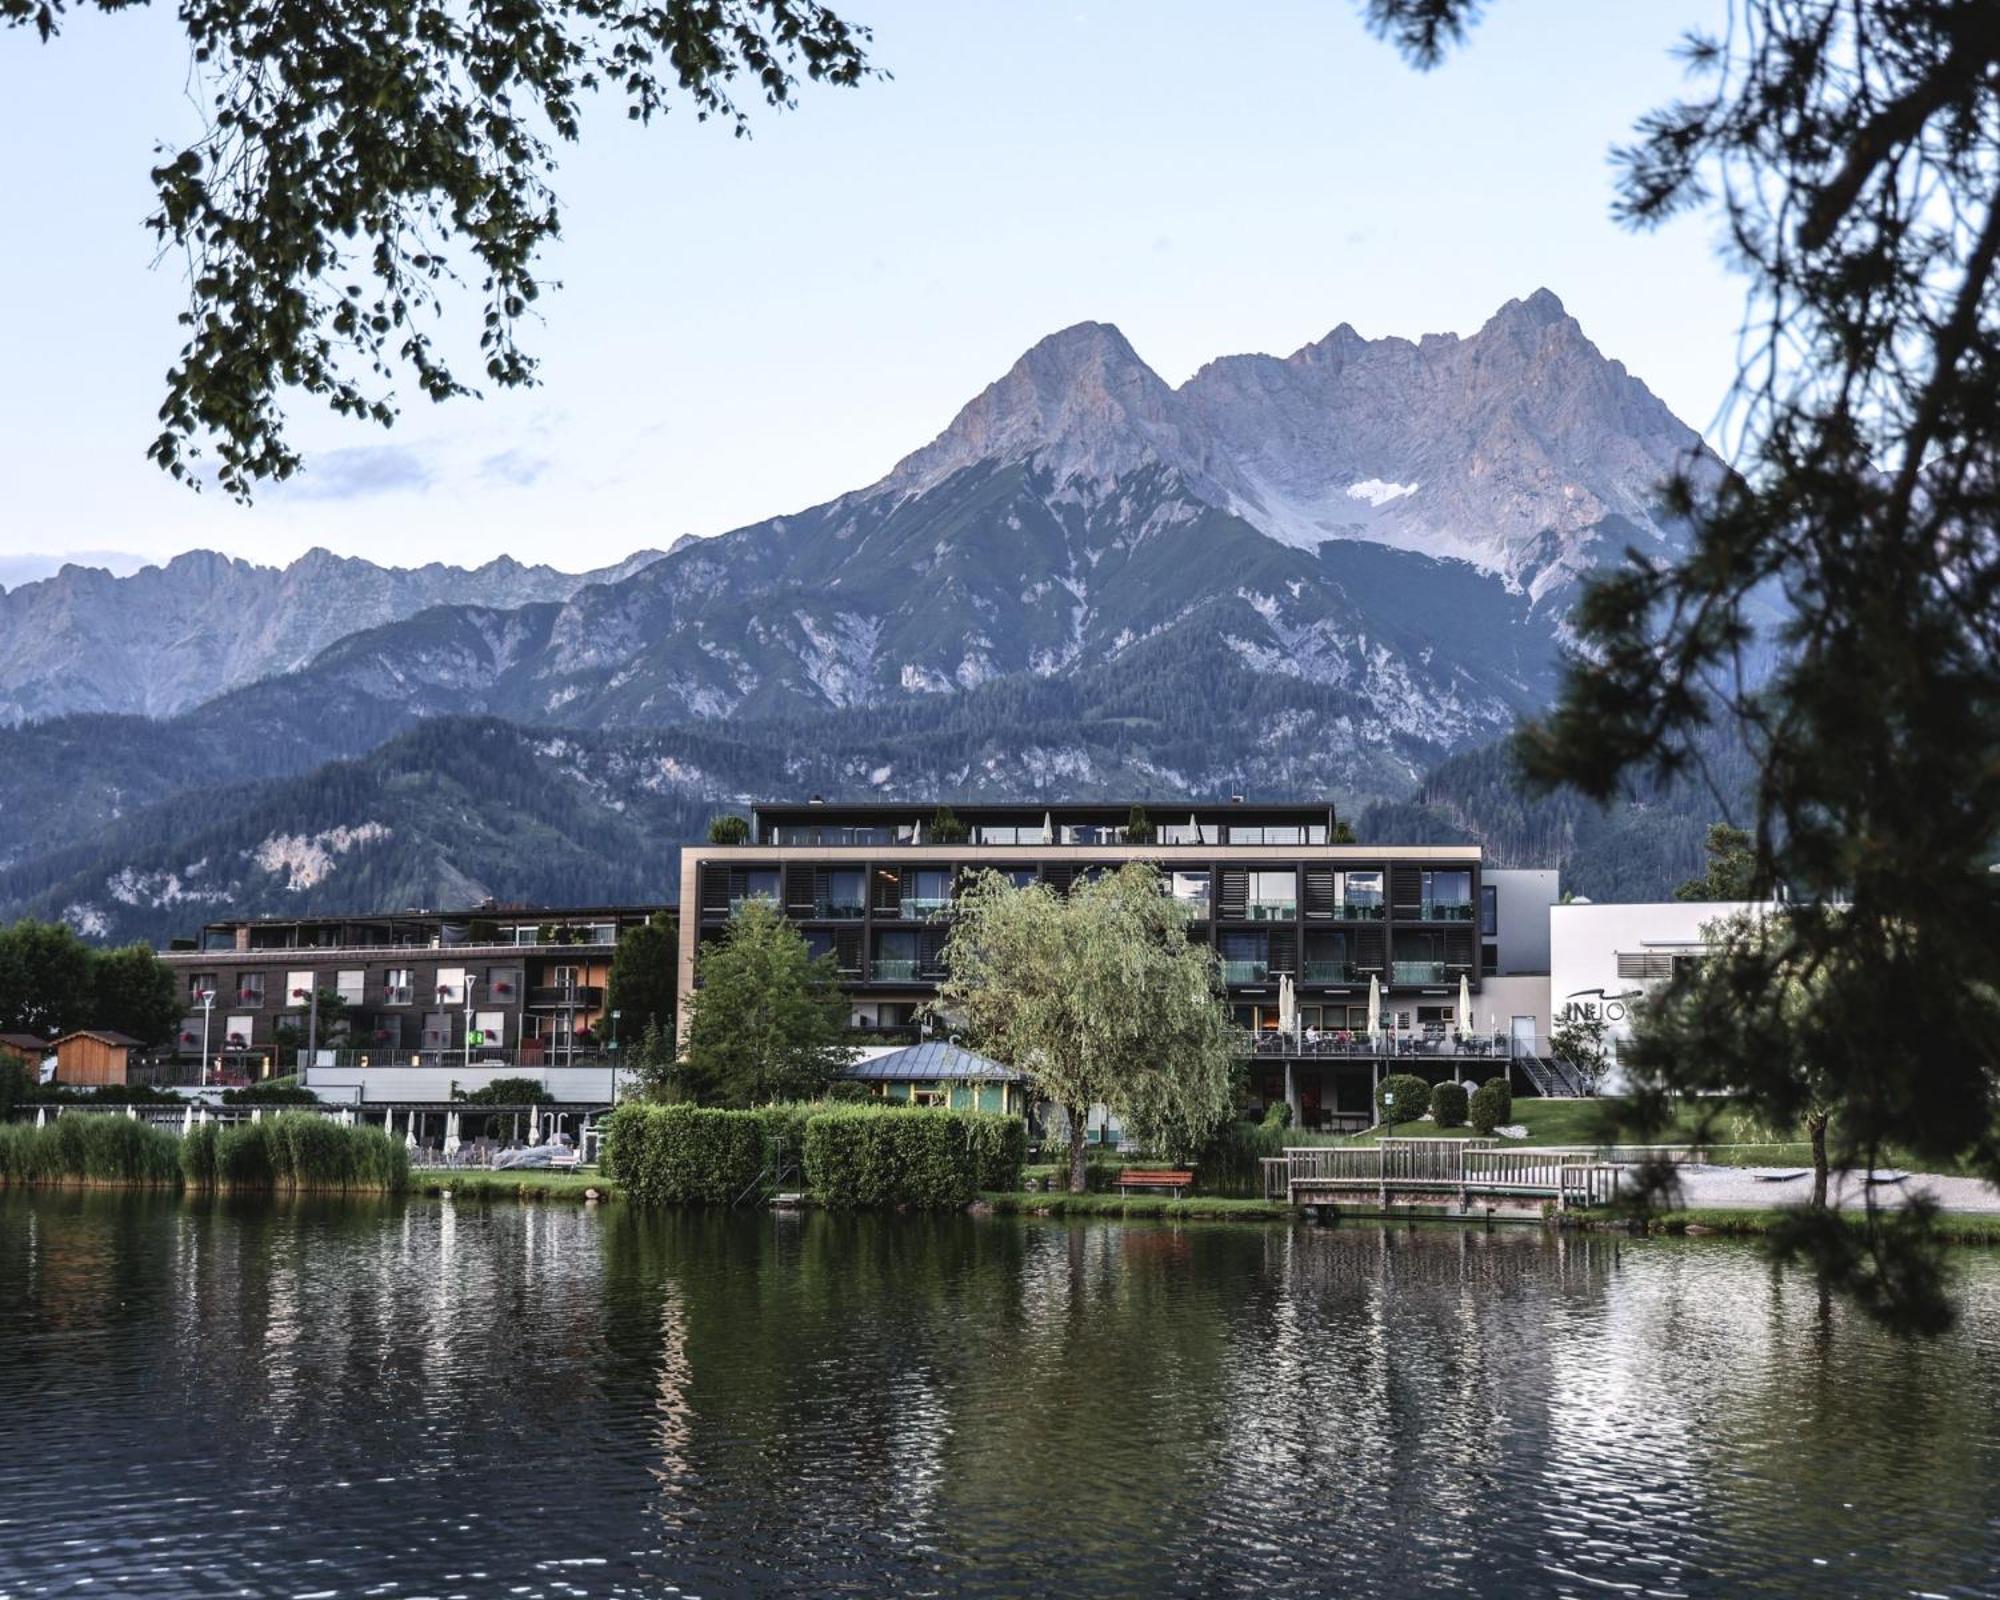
(308, 860)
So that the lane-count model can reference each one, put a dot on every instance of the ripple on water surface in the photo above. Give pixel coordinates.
(418, 1399)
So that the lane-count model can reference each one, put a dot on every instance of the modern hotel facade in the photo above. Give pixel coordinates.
(528, 985)
(1266, 886)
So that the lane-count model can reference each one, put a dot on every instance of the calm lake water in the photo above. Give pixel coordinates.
(428, 1398)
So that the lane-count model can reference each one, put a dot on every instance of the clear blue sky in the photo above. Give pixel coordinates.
(748, 327)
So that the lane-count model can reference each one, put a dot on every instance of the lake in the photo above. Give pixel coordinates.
(425, 1398)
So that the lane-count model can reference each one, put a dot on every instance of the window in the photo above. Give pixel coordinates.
(1269, 833)
(492, 1026)
(299, 988)
(926, 893)
(503, 985)
(250, 989)
(451, 986)
(236, 1033)
(351, 984)
(565, 980)
(1189, 832)
(1274, 896)
(1190, 889)
(895, 958)
(1019, 877)
(1489, 911)
(846, 894)
(1447, 895)
(1358, 895)
(1245, 957)
(757, 883)
(397, 986)
(199, 984)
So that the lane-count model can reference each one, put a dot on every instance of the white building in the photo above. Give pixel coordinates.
(1604, 959)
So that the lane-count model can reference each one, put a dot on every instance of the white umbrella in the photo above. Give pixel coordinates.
(535, 1128)
(346, 1117)
(1464, 1005)
(1374, 1006)
(41, 1116)
(1288, 1005)
(410, 1132)
(256, 1113)
(451, 1133)
(204, 1116)
(1048, 827)
(187, 1120)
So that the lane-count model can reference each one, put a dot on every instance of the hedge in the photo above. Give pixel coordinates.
(1412, 1098)
(1492, 1106)
(916, 1157)
(1448, 1105)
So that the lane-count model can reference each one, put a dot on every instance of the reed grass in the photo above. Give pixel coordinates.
(90, 1148)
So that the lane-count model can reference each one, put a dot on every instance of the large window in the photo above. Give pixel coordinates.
(397, 984)
(450, 988)
(1274, 896)
(299, 988)
(1277, 833)
(1189, 832)
(250, 990)
(1190, 889)
(351, 984)
(1327, 959)
(1358, 895)
(926, 893)
(846, 894)
(1489, 911)
(895, 958)
(1246, 957)
(1447, 895)
(199, 984)
(758, 883)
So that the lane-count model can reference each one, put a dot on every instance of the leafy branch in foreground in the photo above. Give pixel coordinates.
(360, 158)
(1853, 153)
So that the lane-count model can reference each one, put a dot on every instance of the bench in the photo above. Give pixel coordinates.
(1133, 1178)
(565, 1160)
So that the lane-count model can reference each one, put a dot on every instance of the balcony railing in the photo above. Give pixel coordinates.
(921, 908)
(1246, 971)
(838, 910)
(1417, 971)
(1329, 972)
(889, 971)
(1273, 910)
(739, 901)
(583, 996)
(1360, 911)
(1196, 906)
(1447, 911)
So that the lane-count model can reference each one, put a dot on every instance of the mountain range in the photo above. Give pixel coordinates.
(1324, 574)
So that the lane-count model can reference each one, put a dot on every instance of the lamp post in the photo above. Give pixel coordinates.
(613, 1074)
(207, 998)
(311, 997)
(470, 980)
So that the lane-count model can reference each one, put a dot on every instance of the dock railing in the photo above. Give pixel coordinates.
(1467, 1168)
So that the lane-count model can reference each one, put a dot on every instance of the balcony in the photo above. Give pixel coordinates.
(565, 996)
(888, 971)
(1246, 972)
(1417, 972)
(1447, 911)
(1196, 906)
(1360, 911)
(1272, 910)
(922, 908)
(838, 910)
(738, 903)
(1329, 972)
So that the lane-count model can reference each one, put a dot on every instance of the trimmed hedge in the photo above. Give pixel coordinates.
(1492, 1106)
(1448, 1105)
(684, 1155)
(1412, 1098)
(916, 1157)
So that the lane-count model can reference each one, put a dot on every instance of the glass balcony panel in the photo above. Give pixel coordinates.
(921, 908)
(894, 971)
(1361, 910)
(1245, 971)
(1447, 911)
(828, 909)
(1418, 971)
(1273, 910)
(1328, 972)
(738, 902)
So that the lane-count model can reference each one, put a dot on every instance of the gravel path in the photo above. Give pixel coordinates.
(1710, 1188)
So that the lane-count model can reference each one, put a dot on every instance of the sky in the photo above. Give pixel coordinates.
(748, 327)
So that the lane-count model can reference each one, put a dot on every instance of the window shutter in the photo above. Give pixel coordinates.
(1371, 947)
(1058, 875)
(1319, 892)
(1284, 951)
(1234, 899)
(800, 897)
(847, 950)
(888, 891)
(1406, 891)
(714, 890)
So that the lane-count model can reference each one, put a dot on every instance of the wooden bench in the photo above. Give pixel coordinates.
(1134, 1178)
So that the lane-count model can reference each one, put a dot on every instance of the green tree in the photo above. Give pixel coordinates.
(644, 969)
(1102, 999)
(1342, 832)
(362, 159)
(656, 1061)
(1138, 826)
(946, 828)
(46, 979)
(728, 829)
(1731, 873)
(1578, 1043)
(1852, 153)
(767, 1020)
(135, 992)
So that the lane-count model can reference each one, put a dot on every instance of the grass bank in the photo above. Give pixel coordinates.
(1748, 1222)
(1139, 1205)
(525, 1185)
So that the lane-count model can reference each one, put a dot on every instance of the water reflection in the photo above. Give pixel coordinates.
(405, 1399)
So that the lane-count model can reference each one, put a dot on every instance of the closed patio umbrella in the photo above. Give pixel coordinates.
(451, 1133)
(1288, 1005)
(410, 1132)
(41, 1116)
(1048, 827)
(1464, 1005)
(256, 1113)
(187, 1120)
(1374, 1006)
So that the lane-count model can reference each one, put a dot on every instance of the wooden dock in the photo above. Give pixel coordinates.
(1468, 1175)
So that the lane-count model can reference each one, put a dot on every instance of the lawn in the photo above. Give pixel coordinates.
(523, 1185)
(1584, 1122)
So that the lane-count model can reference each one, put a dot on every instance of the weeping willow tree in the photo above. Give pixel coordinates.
(1851, 151)
(1101, 998)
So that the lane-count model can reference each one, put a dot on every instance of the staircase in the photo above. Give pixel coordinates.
(1551, 1078)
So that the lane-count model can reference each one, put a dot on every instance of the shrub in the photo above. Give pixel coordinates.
(509, 1092)
(728, 829)
(277, 1092)
(1401, 1097)
(928, 1159)
(1448, 1105)
(198, 1159)
(1491, 1107)
(687, 1155)
(1503, 1087)
(101, 1148)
